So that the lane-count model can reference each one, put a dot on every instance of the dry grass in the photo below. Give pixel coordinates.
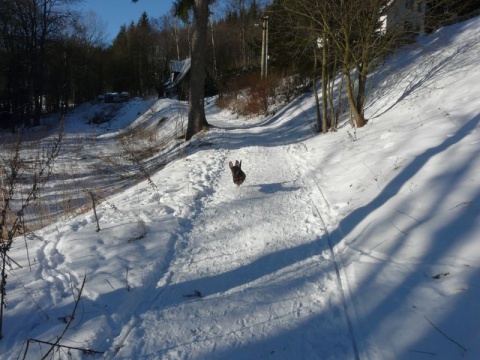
(248, 95)
(76, 173)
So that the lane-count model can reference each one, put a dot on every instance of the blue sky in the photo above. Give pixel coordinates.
(119, 12)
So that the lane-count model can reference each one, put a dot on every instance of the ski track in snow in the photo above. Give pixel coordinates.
(251, 284)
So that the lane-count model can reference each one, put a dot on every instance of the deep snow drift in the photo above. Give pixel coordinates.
(349, 245)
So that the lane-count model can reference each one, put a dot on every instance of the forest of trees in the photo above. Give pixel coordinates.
(52, 57)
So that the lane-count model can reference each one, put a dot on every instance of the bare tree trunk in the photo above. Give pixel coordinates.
(357, 115)
(196, 114)
(315, 92)
(356, 111)
(362, 84)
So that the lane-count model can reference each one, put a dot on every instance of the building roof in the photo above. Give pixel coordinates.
(181, 67)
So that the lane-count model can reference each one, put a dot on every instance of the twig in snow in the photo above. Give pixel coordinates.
(422, 352)
(26, 244)
(126, 279)
(395, 166)
(395, 226)
(57, 344)
(85, 351)
(462, 205)
(354, 136)
(93, 197)
(9, 259)
(375, 176)
(411, 217)
(109, 284)
(448, 337)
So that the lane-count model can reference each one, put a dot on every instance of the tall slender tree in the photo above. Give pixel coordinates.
(196, 114)
(348, 29)
(196, 100)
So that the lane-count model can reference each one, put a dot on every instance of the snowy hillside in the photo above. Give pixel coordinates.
(349, 245)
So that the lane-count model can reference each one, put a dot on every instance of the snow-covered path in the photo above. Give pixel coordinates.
(258, 256)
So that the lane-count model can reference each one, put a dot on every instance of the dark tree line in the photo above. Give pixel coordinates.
(52, 57)
(31, 32)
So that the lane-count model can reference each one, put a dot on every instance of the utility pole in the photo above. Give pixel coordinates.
(264, 61)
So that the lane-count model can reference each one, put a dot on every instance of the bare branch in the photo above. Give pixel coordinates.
(445, 335)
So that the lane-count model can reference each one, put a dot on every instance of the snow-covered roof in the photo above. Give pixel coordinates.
(177, 65)
(181, 67)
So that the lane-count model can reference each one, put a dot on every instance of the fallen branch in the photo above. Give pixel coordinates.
(422, 352)
(84, 350)
(57, 344)
(70, 320)
(448, 337)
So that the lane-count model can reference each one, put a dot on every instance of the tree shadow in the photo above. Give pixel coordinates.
(437, 248)
(347, 224)
(389, 302)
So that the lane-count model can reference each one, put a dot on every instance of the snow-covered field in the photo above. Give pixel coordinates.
(340, 246)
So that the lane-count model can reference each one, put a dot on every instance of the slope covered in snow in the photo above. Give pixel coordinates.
(340, 246)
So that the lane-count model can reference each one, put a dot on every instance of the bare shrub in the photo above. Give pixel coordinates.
(180, 125)
(248, 95)
(290, 87)
(224, 100)
(23, 178)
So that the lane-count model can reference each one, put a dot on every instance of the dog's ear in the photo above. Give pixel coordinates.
(230, 164)
(239, 164)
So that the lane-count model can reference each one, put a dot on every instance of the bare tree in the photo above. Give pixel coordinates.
(30, 26)
(172, 27)
(350, 30)
(90, 30)
(17, 197)
(313, 37)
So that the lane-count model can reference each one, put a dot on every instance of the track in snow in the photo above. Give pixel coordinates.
(269, 286)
